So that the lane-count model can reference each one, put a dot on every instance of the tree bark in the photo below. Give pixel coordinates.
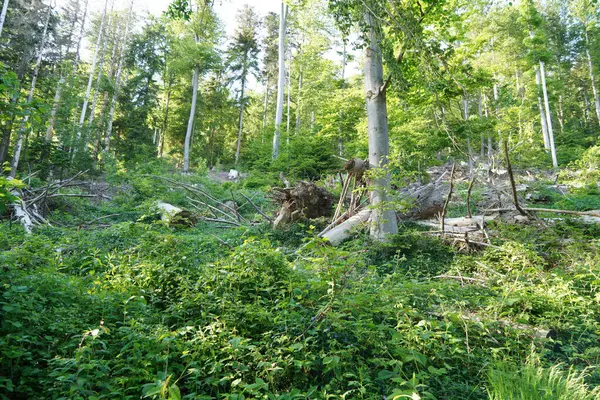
(241, 121)
(289, 94)
(3, 15)
(541, 109)
(19, 146)
(548, 117)
(113, 102)
(266, 103)
(280, 81)
(299, 101)
(92, 73)
(383, 221)
(190, 126)
(164, 127)
(592, 79)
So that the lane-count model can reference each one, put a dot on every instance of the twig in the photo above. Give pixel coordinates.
(550, 210)
(460, 278)
(256, 208)
(221, 221)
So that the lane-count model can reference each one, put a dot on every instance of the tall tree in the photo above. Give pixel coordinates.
(243, 60)
(280, 80)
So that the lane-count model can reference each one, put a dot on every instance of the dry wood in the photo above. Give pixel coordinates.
(343, 231)
(469, 213)
(511, 177)
(445, 209)
(257, 208)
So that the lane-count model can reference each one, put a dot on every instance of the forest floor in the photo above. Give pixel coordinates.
(110, 302)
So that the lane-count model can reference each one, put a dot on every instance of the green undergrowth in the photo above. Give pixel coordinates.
(131, 308)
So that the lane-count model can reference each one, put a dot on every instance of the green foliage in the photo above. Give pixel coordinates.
(534, 382)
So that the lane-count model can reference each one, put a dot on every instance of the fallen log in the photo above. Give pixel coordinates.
(344, 230)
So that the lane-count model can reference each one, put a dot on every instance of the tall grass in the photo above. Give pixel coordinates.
(533, 382)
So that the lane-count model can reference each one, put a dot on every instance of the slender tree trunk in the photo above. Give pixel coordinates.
(3, 15)
(548, 117)
(265, 106)
(164, 128)
(541, 109)
(55, 106)
(113, 102)
(561, 114)
(188, 134)
(299, 100)
(465, 101)
(383, 221)
(586, 110)
(289, 101)
(19, 146)
(241, 120)
(86, 99)
(341, 113)
(280, 81)
(480, 115)
(81, 33)
(592, 79)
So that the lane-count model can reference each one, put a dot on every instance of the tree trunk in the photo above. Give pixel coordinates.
(299, 101)
(241, 121)
(19, 146)
(3, 15)
(55, 106)
(81, 33)
(113, 102)
(383, 221)
(92, 73)
(541, 109)
(188, 134)
(266, 103)
(164, 128)
(280, 81)
(548, 117)
(289, 93)
(592, 79)
(465, 101)
(99, 78)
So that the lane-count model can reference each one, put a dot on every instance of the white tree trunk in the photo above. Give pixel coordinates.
(86, 99)
(592, 79)
(266, 104)
(383, 220)
(190, 126)
(548, 117)
(241, 122)
(100, 66)
(113, 102)
(289, 93)
(280, 81)
(3, 15)
(55, 106)
(299, 101)
(541, 109)
(19, 146)
(81, 33)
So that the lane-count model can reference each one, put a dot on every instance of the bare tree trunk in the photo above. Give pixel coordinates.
(241, 124)
(100, 67)
(92, 73)
(55, 106)
(465, 101)
(188, 133)
(19, 146)
(548, 117)
(81, 33)
(480, 115)
(3, 15)
(341, 124)
(383, 221)
(592, 79)
(538, 80)
(266, 103)
(113, 102)
(299, 101)
(289, 101)
(561, 114)
(280, 81)
(164, 128)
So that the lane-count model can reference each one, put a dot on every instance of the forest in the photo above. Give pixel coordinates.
(300, 199)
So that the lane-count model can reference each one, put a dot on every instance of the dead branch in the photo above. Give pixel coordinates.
(257, 208)
(445, 209)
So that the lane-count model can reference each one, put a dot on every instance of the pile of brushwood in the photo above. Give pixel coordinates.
(124, 297)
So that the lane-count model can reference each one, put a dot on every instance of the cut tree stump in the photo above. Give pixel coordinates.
(174, 215)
